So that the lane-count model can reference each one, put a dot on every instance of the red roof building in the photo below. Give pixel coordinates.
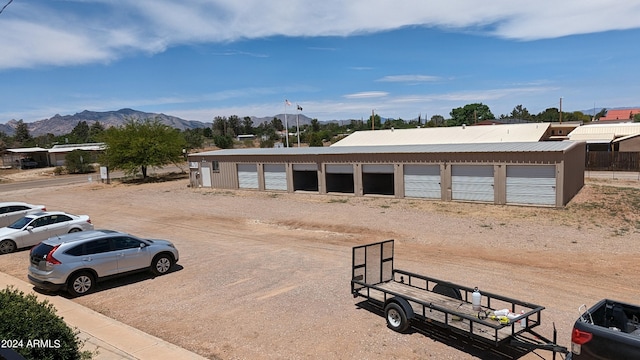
(620, 115)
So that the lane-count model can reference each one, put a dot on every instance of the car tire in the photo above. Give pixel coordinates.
(161, 264)
(7, 246)
(81, 283)
(74, 230)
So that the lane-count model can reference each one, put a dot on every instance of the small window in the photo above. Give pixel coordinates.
(60, 218)
(77, 250)
(97, 246)
(125, 242)
(215, 166)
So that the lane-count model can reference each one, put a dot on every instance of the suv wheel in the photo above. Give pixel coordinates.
(80, 283)
(7, 246)
(161, 264)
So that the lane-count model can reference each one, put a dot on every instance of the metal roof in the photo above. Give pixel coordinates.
(547, 146)
(71, 147)
(532, 132)
(27, 150)
(604, 132)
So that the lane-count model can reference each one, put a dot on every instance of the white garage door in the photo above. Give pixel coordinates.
(247, 176)
(275, 177)
(535, 184)
(472, 183)
(422, 181)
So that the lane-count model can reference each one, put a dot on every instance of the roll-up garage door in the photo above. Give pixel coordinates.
(534, 184)
(275, 177)
(472, 183)
(422, 181)
(339, 169)
(247, 176)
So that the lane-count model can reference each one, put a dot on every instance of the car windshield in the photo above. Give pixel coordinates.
(20, 223)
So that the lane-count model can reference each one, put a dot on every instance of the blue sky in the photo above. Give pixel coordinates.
(198, 59)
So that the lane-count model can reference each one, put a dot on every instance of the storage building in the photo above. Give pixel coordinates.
(513, 173)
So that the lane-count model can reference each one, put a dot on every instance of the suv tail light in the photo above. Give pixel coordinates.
(50, 259)
(89, 221)
(580, 337)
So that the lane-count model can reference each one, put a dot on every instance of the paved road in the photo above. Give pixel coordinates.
(50, 181)
(61, 180)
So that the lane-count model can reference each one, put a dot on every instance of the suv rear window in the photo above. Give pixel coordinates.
(39, 253)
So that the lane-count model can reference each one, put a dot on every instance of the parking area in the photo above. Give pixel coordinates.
(267, 275)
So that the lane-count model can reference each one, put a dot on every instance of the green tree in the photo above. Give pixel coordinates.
(95, 130)
(549, 115)
(470, 114)
(25, 319)
(79, 162)
(22, 136)
(315, 125)
(223, 141)
(140, 144)
(247, 125)
(636, 118)
(377, 122)
(520, 112)
(80, 133)
(315, 139)
(601, 113)
(194, 138)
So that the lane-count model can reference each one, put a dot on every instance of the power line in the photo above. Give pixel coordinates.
(5, 6)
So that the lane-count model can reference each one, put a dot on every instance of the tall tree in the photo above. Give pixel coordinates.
(470, 114)
(247, 125)
(140, 144)
(22, 136)
(80, 133)
(94, 131)
(521, 112)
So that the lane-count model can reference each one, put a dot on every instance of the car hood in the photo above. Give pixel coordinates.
(161, 242)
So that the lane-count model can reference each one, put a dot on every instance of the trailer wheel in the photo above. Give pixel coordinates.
(396, 317)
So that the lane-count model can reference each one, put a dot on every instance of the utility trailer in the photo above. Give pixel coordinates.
(423, 303)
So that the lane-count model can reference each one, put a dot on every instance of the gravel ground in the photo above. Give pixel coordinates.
(266, 276)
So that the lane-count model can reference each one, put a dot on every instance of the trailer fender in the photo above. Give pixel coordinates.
(398, 313)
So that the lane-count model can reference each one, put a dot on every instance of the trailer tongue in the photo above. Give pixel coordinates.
(496, 323)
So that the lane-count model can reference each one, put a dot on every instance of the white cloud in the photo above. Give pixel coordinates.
(409, 78)
(41, 33)
(367, 94)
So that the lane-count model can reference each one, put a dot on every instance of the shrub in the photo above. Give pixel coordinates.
(33, 329)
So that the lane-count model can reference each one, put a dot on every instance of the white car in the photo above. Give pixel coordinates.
(34, 228)
(12, 211)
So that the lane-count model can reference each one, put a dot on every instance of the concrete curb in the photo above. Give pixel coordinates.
(112, 339)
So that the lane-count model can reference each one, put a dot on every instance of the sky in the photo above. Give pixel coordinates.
(337, 60)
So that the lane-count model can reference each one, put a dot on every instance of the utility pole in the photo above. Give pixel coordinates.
(560, 110)
(373, 120)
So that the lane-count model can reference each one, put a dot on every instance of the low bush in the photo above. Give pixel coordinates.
(33, 329)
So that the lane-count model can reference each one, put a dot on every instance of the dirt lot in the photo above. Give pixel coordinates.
(266, 276)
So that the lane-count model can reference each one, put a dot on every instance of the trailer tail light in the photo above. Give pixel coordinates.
(50, 259)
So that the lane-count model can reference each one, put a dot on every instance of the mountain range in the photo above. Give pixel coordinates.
(60, 125)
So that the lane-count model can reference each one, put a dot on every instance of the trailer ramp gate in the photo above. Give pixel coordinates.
(372, 264)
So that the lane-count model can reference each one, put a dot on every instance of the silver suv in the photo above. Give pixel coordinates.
(76, 261)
